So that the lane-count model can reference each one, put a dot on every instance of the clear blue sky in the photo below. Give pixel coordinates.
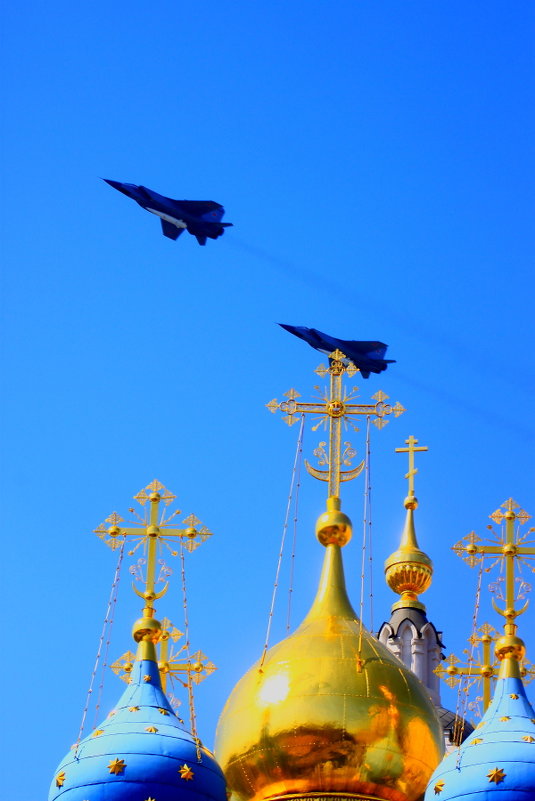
(377, 162)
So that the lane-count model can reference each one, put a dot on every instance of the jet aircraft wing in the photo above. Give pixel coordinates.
(199, 207)
(171, 231)
(374, 349)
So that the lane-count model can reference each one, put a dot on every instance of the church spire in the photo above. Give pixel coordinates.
(409, 570)
(328, 711)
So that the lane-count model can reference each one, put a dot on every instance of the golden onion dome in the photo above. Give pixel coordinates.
(329, 711)
(408, 571)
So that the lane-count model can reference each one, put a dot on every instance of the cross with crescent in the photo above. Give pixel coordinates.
(336, 409)
(153, 530)
(510, 546)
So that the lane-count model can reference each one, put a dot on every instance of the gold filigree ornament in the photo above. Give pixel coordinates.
(117, 766)
(439, 786)
(123, 666)
(528, 738)
(60, 779)
(496, 775)
(151, 729)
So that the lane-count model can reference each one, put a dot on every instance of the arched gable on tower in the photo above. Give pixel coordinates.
(417, 643)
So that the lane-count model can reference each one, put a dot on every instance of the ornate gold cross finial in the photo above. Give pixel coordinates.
(174, 662)
(196, 667)
(334, 410)
(480, 667)
(411, 450)
(509, 546)
(477, 668)
(152, 531)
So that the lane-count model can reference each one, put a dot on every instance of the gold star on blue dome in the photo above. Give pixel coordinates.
(496, 775)
(117, 766)
(186, 772)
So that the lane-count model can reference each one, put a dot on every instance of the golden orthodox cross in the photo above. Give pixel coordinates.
(334, 409)
(477, 669)
(509, 547)
(411, 450)
(153, 532)
(175, 663)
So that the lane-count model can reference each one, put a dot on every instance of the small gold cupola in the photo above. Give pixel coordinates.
(408, 571)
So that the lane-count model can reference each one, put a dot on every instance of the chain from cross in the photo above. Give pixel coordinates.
(335, 409)
(411, 442)
(509, 547)
(171, 662)
(152, 532)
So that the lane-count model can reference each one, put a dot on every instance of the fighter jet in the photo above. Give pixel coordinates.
(367, 356)
(202, 218)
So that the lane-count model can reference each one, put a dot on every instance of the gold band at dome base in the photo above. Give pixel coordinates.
(408, 602)
(324, 797)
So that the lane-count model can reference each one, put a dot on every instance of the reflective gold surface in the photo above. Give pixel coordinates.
(331, 713)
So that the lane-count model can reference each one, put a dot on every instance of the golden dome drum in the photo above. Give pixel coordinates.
(408, 571)
(330, 713)
(406, 577)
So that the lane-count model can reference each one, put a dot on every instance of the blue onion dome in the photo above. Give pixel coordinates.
(498, 759)
(141, 752)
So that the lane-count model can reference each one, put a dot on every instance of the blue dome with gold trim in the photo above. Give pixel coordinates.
(497, 761)
(140, 752)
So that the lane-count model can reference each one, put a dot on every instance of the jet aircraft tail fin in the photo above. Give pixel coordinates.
(170, 231)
